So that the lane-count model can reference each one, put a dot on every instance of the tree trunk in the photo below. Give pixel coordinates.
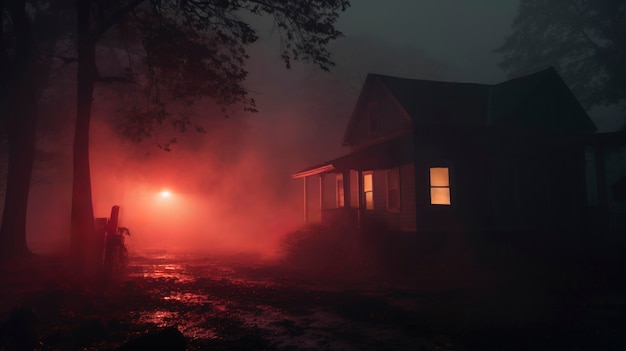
(21, 119)
(83, 233)
(20, 123)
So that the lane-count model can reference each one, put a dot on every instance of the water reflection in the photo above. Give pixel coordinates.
(167, 271)
(158, 318)
(193, 327)
(187, 297)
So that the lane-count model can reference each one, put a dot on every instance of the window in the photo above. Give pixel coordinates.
(368, 190)
(439, 186)
(340, 190)
(393, 189)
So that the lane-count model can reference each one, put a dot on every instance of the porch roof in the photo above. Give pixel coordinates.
(317, 169)
(378, 156)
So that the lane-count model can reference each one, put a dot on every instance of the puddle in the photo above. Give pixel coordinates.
(162, 271)
(187, 298)
(158, 318)
(198, 332)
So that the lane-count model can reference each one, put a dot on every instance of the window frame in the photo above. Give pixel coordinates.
(431, 186)
(340, 191)
(365, 192)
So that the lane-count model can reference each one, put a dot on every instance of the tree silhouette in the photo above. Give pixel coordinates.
(193, 49)
(29, 32)
(585, 40)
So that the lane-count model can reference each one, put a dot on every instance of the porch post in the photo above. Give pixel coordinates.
(321, 194)
(346, 197)
(360, 199)
(321, 191)
(306, 215)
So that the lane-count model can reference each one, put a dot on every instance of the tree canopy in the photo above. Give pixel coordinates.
(197, 49)
(192, 49)
(585, 40)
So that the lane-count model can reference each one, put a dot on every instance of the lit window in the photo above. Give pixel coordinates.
(393, 189)
(439, 186)
(340, 191)
(368, 190)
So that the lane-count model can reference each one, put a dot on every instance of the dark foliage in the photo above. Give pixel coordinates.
(197, 49)
(338, 255)
(585, 40)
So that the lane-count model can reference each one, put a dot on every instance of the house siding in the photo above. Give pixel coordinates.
(391, 118)
(407, 198)
(313, 205)
(329, 187)
(404, 218)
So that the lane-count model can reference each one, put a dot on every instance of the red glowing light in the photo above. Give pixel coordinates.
(165, 194)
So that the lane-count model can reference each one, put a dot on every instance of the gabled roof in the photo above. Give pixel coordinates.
(514, 103)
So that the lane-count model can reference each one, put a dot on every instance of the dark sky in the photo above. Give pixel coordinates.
(462, 33)
(452, 40)
(433, 39)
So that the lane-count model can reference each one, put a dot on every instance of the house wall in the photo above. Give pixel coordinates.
(605, 167)
(549, 185)
(429, 218)
(354, 189)
(402, 219)
(501, 187)
(329, 188)
(407, 220)
(391, 118)
(312, 203)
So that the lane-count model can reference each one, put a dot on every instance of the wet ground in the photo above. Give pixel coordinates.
(240, 303)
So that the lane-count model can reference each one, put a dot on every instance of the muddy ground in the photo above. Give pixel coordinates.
(239, 302)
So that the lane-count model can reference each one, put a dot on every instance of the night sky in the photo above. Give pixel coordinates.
(461, 33)
(440, 40)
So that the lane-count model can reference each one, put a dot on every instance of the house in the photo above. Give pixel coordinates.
(429, 156)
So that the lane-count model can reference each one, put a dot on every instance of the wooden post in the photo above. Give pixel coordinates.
(360, 199)
(321, 193)
(306, 214)
(346, 198)
(113, 221)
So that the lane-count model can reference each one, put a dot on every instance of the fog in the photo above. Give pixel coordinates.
(231, 189)
(225, 191)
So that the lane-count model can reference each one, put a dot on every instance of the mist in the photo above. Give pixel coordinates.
(230, 188)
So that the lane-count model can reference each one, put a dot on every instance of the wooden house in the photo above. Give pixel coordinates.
(431, 156)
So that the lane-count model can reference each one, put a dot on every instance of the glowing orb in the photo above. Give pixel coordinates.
(165, 193)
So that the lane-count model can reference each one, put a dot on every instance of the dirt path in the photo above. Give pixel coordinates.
(233, 303)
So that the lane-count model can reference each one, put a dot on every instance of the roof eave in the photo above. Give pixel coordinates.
(318, 170)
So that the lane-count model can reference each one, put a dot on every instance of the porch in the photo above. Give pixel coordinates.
(331, 196)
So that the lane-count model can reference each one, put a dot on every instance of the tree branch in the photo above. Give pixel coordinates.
(115, 79)
(116, 16)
